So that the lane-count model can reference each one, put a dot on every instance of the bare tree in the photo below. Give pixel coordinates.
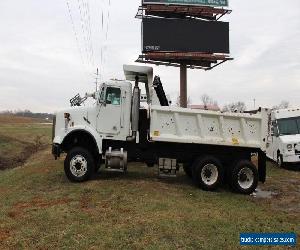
(189, 101)
(237, 107)
(283, 105)
(208, 101)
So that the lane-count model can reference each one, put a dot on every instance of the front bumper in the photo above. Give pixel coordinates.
(56, 150)
(291, 158)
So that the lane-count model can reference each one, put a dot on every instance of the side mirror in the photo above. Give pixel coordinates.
(272, 131)
(101, 102)
(101, 95)
(276, 133)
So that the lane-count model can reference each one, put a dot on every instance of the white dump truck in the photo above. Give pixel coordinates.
(283, 144)
(213, 147)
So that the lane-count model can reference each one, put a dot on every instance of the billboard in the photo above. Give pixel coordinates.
(184, 35)
(222, 3)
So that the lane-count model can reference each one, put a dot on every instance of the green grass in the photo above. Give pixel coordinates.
(41, 209)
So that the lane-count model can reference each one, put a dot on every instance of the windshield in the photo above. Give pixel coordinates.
(289, 126)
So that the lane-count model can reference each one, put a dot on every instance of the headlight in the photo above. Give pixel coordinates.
(289, 147)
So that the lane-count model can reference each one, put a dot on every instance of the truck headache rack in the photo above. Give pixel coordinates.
(160, 91)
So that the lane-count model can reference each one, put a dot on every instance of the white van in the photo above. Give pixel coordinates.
(284, 141)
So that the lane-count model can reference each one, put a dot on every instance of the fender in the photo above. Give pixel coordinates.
(59, 139)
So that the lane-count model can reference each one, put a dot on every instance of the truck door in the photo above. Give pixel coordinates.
(109, 117)
(275, 140)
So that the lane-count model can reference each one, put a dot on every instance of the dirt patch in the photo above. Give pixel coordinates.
(280, 193)
(20, 208)
(285, 194)
(85, 202)
(3, 190)
(4, 234)
(288, 195)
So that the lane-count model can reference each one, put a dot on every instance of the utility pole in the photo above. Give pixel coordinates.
(183, 85)
(254, 102)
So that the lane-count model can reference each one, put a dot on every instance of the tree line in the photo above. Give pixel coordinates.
(27, 113)
(235, 107)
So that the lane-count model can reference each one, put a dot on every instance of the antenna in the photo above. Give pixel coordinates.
(97, 75)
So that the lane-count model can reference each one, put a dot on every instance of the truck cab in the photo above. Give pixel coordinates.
(108, 119)
(284, 141)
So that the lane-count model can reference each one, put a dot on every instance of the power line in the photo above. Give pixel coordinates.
(101, 41)
(105, 31)
(87, 32)
(84, 32)
(90, 31)
(75, 34)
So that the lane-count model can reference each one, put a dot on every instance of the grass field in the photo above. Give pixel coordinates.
(41, 209)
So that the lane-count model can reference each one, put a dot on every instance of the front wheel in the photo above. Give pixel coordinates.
(244, 177)
(79, 165)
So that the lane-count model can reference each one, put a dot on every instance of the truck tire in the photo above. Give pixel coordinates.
(207, 172)
(97, 167)
(244, 177)
(79, 165)
(188, 169)
(99, 162)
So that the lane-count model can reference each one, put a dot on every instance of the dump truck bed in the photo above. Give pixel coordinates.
(172, 124)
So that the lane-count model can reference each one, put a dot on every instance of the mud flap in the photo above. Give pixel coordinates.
(262, 170)
(56, 151)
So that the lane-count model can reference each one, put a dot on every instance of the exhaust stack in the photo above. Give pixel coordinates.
(135, 109)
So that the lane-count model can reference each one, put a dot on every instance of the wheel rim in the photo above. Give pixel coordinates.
(78, 166)
(245, 178)
(209, 174)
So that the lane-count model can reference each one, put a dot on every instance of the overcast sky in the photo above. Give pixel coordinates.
(42, 65)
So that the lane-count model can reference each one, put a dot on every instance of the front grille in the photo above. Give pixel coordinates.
(53, 127)
(297, 149)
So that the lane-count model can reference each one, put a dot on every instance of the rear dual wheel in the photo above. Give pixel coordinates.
(244, 177)
(207, 173)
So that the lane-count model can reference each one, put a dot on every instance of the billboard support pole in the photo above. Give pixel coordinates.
(183, 85)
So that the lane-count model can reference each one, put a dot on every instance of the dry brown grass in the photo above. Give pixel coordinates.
(12, 119)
